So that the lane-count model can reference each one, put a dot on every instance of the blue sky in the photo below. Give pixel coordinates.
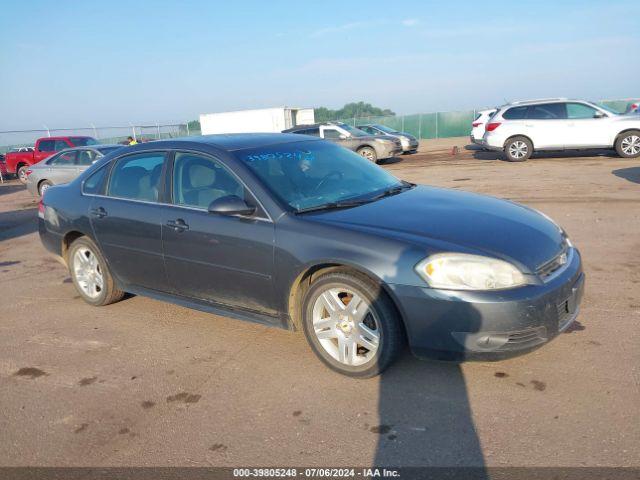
(71, 63)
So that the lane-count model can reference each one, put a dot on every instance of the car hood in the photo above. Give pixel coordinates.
(442, 219)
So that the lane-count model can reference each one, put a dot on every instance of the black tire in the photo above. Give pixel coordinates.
(43, 186)
(518, 149)
(384, 316)
(368, 153)
(628, 144)
(21, 173)
(109, 293)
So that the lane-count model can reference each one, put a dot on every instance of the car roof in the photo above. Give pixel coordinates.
(232, 141)
(540, 100)
(91, 147)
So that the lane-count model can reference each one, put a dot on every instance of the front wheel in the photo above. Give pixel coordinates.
(351, 324)
(518, 149)
(628, 144)
(90, 274)
(22, 174)
(368, 153)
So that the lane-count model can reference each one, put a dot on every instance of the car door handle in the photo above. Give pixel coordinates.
(178, 225)
(98, 212)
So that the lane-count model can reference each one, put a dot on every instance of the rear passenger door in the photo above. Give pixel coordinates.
(127, 218)
(547, 125)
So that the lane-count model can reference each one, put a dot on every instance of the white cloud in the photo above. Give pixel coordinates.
(410, 22)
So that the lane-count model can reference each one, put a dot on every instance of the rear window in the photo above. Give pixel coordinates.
(548, 111)
(83, 141)
(515, 113)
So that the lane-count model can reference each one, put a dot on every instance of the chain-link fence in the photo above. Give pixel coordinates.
(110, 134)
(421, 125)
(448, 124)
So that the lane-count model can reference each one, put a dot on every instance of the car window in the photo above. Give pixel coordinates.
(580, 110)
(515, 113)
(137, 176)
(367, 129)
(47, 146)
(65, 159)
(83, 141)
(198, 180)
(548, 111)
(331, 133)
(86, 157)
(93, 184)
(60, 145)
(309, 131)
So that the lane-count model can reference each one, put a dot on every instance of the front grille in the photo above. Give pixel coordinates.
(556, 263)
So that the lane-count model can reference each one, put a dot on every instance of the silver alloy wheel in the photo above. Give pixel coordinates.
(43, 188)
(631, 145)
(367, 153)
(22, 174)
(518, 149)
(346, 326)
(87, 272)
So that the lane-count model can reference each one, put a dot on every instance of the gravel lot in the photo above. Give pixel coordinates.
(147, 383)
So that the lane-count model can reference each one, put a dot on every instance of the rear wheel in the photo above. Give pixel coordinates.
(628, 144)
(351, 324)
(22, 173)
(90, 273)
(43, 187)
(518, 149)
(368, 153)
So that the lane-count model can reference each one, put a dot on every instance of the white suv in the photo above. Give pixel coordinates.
(520, 128)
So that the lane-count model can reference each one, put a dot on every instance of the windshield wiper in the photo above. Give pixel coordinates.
(394, 190)
(334, 205)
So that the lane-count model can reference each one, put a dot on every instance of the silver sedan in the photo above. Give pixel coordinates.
(64, 166)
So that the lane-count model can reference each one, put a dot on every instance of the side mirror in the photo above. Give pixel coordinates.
(231, 205)
(599, 115)
(343, 137)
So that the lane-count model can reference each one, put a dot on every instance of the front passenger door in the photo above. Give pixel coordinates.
(213, 257)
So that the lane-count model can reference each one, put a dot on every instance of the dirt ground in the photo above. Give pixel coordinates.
(143, 382)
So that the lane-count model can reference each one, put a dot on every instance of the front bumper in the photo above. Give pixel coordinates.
(466, 324)
(411, 146)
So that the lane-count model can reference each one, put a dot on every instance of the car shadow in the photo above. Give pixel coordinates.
(18, 223)
(631, 174)
(8, 188)
(481, 154)
(389, 161)
(424, 411)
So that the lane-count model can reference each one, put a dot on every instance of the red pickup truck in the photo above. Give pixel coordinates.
(19, 162)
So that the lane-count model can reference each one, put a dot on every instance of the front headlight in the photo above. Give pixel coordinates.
(404, 141)
(460, 271)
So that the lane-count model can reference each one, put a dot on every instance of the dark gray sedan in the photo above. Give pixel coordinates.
(297, 232)
(64, 166)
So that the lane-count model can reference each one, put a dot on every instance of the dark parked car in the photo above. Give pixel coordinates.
(372, 147)
(409, 142)
(299, 233)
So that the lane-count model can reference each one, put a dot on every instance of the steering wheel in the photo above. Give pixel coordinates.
(334, 173)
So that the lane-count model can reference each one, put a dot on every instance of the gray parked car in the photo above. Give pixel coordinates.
(64, 166)
(409, 142)
(372, 147)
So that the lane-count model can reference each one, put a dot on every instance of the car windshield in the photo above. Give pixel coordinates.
(356, 132)
(311, 174)
(604, 107)
(386, 129)
(83, 141)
